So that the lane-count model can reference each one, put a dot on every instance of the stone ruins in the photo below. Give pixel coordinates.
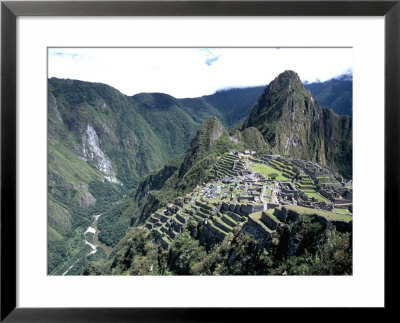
(242, 199)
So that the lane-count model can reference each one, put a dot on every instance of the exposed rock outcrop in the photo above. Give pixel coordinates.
(93, 154)
(84, 199)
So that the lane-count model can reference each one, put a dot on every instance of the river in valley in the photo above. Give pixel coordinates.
(92, 229)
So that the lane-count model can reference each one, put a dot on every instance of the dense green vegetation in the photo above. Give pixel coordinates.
(205, 138)
(320, 252)
(236, 255)
(139, 134)
(114, 223)
(343, 157)
(75, 194)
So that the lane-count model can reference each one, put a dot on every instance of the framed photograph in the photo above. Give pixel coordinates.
(162, 158)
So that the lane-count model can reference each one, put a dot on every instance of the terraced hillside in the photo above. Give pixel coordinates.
(239, 209)
(215, 211)
(307, 186)
(283, 166)
(316, 186)
(213, 214)
(227, 165)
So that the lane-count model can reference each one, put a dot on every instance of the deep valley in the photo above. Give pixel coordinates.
(249, 181)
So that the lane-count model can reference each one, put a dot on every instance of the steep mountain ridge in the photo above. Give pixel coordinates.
(294, 124)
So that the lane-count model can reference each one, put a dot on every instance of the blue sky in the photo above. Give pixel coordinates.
(192, 72)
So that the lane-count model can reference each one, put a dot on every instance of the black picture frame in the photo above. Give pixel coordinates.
(10, 10)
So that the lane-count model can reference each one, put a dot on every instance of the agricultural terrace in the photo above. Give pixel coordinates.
(326, 214)
(284, 166)
(344, 211)
(319, 197)
(305, 184)
(327, 181)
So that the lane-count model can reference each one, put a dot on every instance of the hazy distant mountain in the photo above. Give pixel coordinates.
(336, 94)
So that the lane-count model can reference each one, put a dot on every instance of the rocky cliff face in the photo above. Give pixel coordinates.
(294, 124)
(84, 199)
(93, 153)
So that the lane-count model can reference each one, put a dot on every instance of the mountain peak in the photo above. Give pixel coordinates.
(211, 121)
(207, 134)
(288, 74)
(286, 80)
(293, 124)
(155, 99)
(283, 95)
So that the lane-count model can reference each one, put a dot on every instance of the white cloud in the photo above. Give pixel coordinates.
(192, 72)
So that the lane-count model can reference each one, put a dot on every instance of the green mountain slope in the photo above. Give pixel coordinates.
(179, 176)
(294, 124)
(101, 143)
(125, 138)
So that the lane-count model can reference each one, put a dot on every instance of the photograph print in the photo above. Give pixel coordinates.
(199, 161)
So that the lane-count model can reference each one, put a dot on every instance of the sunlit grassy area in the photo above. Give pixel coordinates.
(267, 171)
(256, 216)
(342, 211)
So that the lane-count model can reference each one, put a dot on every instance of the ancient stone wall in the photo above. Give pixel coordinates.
(269, 221)
(208, 235)
(251, 208)
(256, 229)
